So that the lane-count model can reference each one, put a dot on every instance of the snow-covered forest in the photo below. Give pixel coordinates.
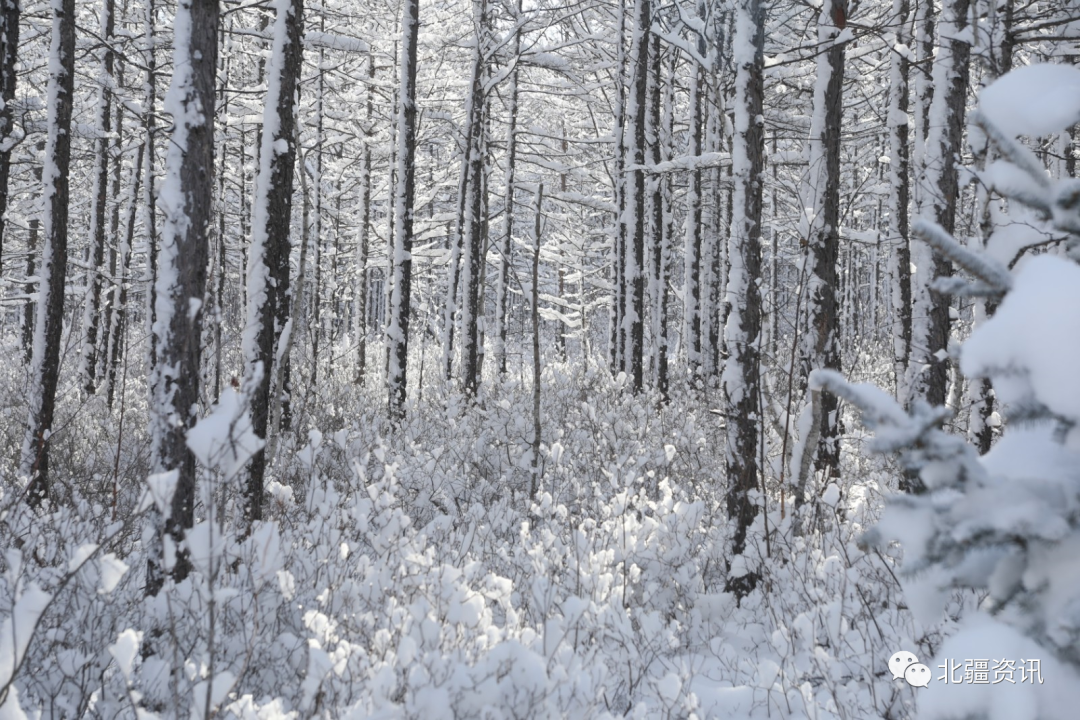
(505, 359)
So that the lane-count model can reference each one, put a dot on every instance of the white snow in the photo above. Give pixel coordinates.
(1034, 100)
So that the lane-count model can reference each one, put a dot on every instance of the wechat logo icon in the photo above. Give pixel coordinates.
(905, 666)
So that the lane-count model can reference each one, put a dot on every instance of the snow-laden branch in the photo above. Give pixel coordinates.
(988, 271)
(684, 163)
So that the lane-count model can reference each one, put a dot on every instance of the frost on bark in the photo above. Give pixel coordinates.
(9, 52)
(52, 270)
(820, 345)
(268, 259)
(742, 330)
(939, 194)
(397, 327)
(186, 203)
(88, 351)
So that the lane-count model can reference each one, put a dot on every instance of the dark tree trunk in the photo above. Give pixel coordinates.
(618, 300)
(108, 323)
(635, 261)
(268, 291)
(397, 329)
(953, 79)
(149, 193)
(474, 260)
(45, 365)
(900, 185)
(362, 239)
(182, 265)
(507, 248)
(692, 250)
(821, 345)
(101, 201)
(117, 345)
(33, 238)
(743, 328)
(9, 51)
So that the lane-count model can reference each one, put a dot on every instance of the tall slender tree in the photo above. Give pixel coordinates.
(363, 234)
(400, 304)
(88, 351)
(940, 191)
(268, 259)
(9, 55)
(634, 274)
(186, 202)
(52, 270)
(741, 379)
(899, 199)
(820, 346)
(506, 248)
(473, 256)
(692, 265)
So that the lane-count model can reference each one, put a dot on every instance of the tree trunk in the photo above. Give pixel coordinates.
(820, 346)
(899, 198)
(692, 249)
(397, 328)
(741, 333)
(507, 249)
(941, 183)
(117, 342)
(473, 257)
(618, 299)
(45, 365)
(362, 239)
(150, 219)
(88, 354)
(9, 53)
(635, 256)
(30, 308)
(268, 260)
(535, 311)
(187, 204)
(109, 323)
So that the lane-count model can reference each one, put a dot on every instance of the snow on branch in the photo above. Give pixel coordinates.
(989, 272)
(1013, 151)
(315, 39)
(685, 163)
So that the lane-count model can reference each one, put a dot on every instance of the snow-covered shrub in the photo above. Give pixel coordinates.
(1007, 524)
